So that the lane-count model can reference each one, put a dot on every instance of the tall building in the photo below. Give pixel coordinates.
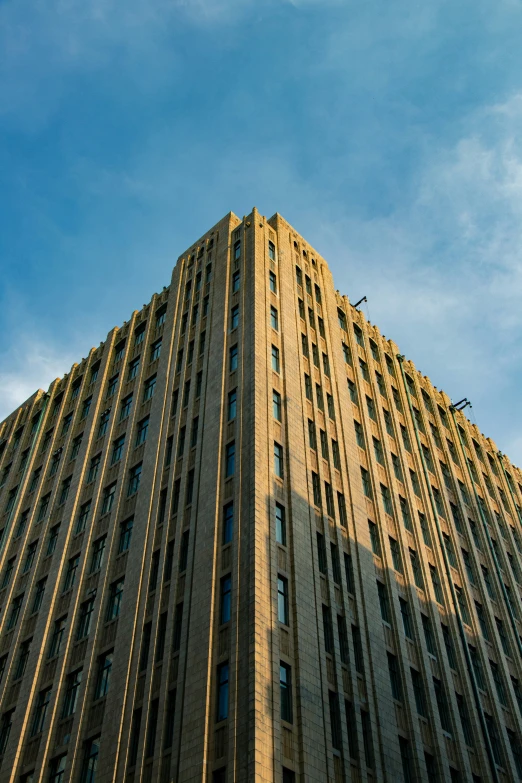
(245, 540)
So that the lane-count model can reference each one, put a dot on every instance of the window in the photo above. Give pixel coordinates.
(321, 554)
(178, 622)
(40, 711)
(139, 334)
(448, 644)
(341, 319)
(442, 704)
(16, 608)
(386, 500)
(8, 572)
(93, 468)
(199, 384)
(235, 281)
(319, 396)
(395, 676)
(278, 460)
(237, 249)
(225, 599)
(271, 251)
(311, 318)
(108, 498)
(55, 461)
(464, 611)
(285, 683)
(115, 599)
(316, 489)
(347, 354)
(234, 317)
(125, 407)
(282, 600)
(133, 368)
(228, 522)
(274, 318)
(359, 435)
(141, 431)
(161, 315)
(280, 524)
(324, 444)
(169, 562)
(367, 487)
(326, 365)
(152, 727)
(181, 441)
(371, 408)
(374, 538)
(117, 449)
(161, 636)
(57, 768)
(66, 424)
(428, 634)
(38, 595)
(336, 455)
(308, 387)
(273, 282)
(222, 691)
(276, 405)
(119, 350)
(77, 442)
(190, 355)
(90, 760)
(84, 619)
(51, 542)
(358, 335)
(103, 675)
(357, 648)
(83, 516)
(134, 479)
(148, 389)
(415, 483)
(364, 370)
(194, 432)
(383, 602)
(379, 453)
(230, 459)
(233, 358)
(330, 406)
(64, 491)
(70, 573)
(419, 692)
(134, 736)
(98, 548)
(437, 587)
(183, 551)
(406, 619)
(23, 657)
(300, 305)
(190, 487)
(396, 554)
(57, 637)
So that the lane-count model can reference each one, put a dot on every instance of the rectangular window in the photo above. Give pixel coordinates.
(395, 676)
(98, 548)
(228, 522)
(280, 524)
(70, 574)
(406, 618)
(343, 519)
(276, 405)
(103, 675)
(367, 487)
(308, 387)
(183, 551)
(316, 489)
(321, 554)
(230, 459)
(282, 600)
(72, 687)
(352, 391)
(275, 358)
(148, 388)
(222, 692)
(225, 599)
(278, 460)
(115, 599)
(83, 516)
(16, 608)
(274, 318)
(234, 317)
(285, 681)
(134, 480)
(273, 282)
(84, 619)
(133, 368)
(57, 637)
(126, 404)
(40, 711)
(235, 281)
(383, 602)
(396, 554)
(109, 494)
(117, 449)
(125, 535)
(194, 432)
(405, 511)
(359, 435)
(374, 538)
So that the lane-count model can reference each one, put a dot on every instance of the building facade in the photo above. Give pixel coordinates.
(246, 540)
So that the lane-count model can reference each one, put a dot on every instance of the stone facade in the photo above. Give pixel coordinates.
(245, 540)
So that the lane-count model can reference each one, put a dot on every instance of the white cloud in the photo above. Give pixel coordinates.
(33, 364)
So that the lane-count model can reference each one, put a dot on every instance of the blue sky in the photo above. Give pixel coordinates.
(387, 133)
